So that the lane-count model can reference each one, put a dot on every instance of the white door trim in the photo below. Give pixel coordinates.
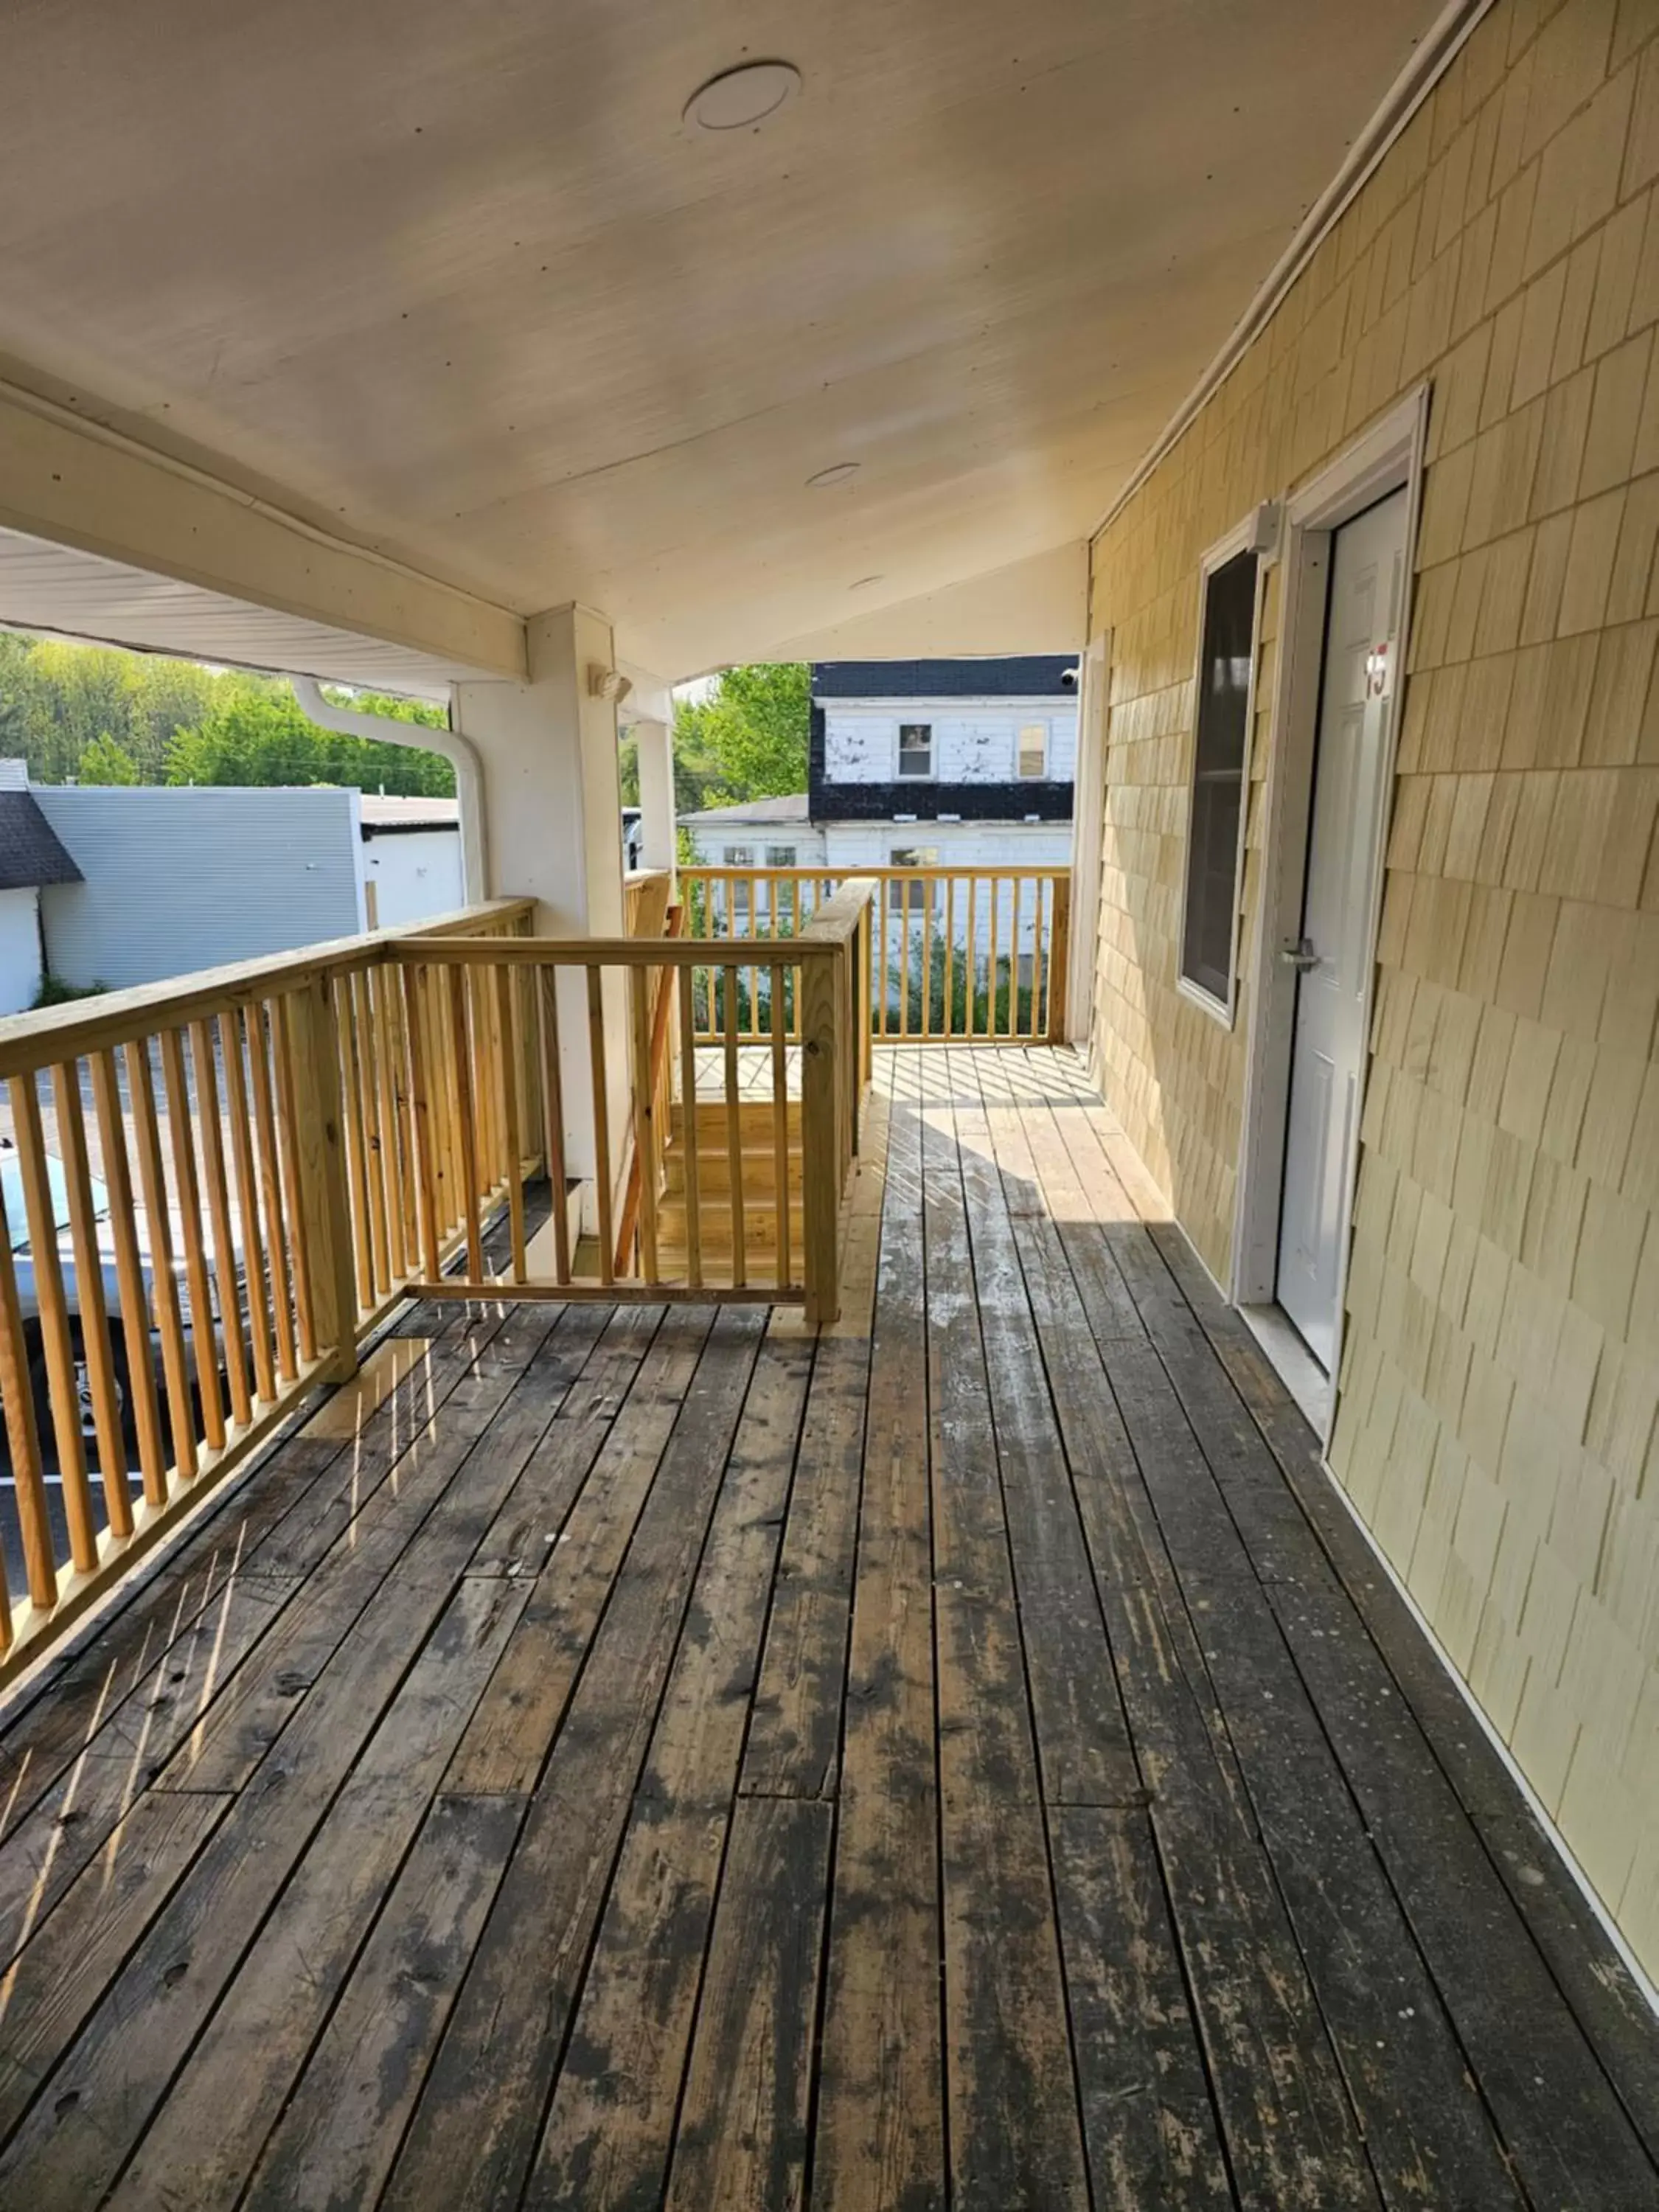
(1088, 836)
(1385, 458)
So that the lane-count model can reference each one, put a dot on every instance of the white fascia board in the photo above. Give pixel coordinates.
(75, 483)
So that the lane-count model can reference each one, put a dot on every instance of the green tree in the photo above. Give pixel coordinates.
(258, 735)
(106, 761)
(747, 739)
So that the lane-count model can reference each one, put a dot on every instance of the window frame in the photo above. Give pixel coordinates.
(1246, 537)
(904, 898)
(773, 851)
(901, 774)
(1044, 732)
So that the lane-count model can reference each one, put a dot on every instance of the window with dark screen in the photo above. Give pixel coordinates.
(1218, 795)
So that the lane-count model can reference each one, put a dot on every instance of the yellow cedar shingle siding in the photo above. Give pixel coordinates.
(1495, 1421)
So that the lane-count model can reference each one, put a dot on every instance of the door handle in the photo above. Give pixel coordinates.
(1301, 955)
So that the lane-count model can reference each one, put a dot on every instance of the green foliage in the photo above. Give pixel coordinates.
(259, 736)
(84, 712)
(627, 771)
(55, 992)
(747, 739)
(106, 761)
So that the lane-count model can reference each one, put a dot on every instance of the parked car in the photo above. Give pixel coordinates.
(23, 1267)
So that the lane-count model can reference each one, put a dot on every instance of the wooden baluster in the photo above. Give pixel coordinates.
(163, 1272)
(688, 1087)
(1014, 887)
(17, 1398)
(780, 1124)
(52, 1307)
(224, 1243)
(1038, 941)
(755, 974)
(904, 957)
(553, 1113)
(248, 1206)
(601, 1099)
(282, 1040)
(1060, 960)
(130, 1278)
(403, 1214)
(96, 1349)
(512, 1146)
(734, 1133)
(927, 957)
(994, 893)
(261, 1034)
(950, 956)
(644, 1121)
(375, 1150)
(424, 1118)
(466, 1098)
(345, 1028)
(972, 955)
(885, 894)
(187, 1189)
(820, 1141)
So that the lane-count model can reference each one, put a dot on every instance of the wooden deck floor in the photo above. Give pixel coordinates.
(642, 1759)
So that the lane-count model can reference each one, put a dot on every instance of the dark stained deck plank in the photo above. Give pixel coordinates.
(649, 1758)
(611, 2128)
(879, 2136)
(477, 2124)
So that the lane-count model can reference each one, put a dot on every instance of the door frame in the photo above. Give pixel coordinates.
(1388, 458)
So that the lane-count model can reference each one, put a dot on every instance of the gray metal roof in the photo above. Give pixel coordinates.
(30, 851)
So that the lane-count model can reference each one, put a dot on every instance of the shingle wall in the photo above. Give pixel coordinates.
(1495, 1415)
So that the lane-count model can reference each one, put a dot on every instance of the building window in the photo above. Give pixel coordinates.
(1032, 760)
(737, 892)
(915, 751)
(780, 856)
(1214, 845)
(903, 897)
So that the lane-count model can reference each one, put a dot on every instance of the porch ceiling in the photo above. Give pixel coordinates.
(460, 285)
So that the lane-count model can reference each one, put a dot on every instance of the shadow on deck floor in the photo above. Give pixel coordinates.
(637, 1758)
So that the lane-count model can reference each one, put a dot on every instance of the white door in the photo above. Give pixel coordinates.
(1333, 958)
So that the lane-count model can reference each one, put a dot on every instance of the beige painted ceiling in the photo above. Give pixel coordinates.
(452, 279)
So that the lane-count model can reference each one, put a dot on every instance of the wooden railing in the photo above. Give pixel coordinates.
(956, 954)
(213, 1186)
(725, 1228)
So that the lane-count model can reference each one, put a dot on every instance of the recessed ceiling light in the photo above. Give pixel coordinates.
(836, 473)
(862, 581)
(739, 97)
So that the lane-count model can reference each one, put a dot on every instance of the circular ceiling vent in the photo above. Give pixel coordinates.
(738, 98)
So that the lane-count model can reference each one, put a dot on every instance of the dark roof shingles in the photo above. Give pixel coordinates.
(30, 851)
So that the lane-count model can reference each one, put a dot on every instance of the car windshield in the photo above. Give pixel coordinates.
(11, 1191)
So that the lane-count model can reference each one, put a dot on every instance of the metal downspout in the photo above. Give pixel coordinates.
(455, 746)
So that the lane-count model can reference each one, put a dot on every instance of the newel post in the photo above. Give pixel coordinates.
(325, 1200)
(1060, 960)
(821, 1123)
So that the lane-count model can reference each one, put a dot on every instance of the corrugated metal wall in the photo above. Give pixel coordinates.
(177, 880)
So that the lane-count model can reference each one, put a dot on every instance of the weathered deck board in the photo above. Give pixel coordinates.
(649, 1758)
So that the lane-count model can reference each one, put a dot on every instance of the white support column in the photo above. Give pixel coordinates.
(655, 742)
(553, 815)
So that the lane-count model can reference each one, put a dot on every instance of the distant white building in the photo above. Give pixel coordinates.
(411, 859)
(134, 884)
(950, 763)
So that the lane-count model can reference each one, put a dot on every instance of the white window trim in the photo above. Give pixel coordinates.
(1256, 533)
(900, 774)
(1046, 728)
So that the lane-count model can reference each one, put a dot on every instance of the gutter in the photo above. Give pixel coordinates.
(455, 746)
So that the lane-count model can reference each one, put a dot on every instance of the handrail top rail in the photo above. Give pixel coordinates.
(30, 1041)
(700, 870)
(622, 951)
